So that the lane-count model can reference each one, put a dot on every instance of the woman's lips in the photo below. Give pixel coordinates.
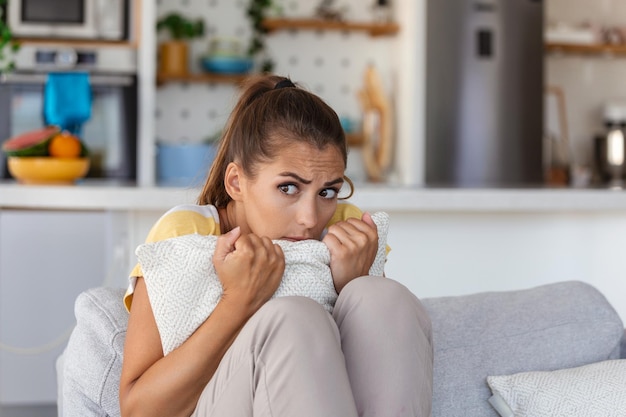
(295, 239)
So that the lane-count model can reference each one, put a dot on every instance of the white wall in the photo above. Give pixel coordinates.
(438, 254)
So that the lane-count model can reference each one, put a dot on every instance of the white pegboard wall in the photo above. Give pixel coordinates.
(329, 63)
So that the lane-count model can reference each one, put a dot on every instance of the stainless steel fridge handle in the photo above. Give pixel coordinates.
(98, 80)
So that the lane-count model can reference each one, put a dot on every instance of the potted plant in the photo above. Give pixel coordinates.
(8, 45)
(173, 53)
(257, 11)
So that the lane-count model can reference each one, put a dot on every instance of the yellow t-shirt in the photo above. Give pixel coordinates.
(204, 220)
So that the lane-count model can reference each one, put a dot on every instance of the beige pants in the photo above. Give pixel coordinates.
(372, 357)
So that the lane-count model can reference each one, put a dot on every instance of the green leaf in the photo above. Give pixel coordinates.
(267, 66)
(256, 13)
(180, 27)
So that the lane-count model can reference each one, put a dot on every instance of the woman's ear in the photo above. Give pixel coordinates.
(232, 181)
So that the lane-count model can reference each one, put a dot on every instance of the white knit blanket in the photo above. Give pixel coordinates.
(183, 286)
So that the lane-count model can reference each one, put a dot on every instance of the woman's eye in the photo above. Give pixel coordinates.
(329, 193)
(289, 189)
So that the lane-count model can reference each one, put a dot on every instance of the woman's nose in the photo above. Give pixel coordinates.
(307, 214)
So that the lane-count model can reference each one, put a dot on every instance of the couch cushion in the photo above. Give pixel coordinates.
(594, 390)
(549, 327)
(93, 357)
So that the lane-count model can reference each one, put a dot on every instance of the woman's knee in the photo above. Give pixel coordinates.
(381, 290)
(299, 318)
(293, 307)
(382, 299)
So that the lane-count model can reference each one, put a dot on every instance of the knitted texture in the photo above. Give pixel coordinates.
(183, 286)
(594, 390)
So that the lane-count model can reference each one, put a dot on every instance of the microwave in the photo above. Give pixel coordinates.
(69, 19)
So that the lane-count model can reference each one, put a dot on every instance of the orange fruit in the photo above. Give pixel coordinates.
(64, 145)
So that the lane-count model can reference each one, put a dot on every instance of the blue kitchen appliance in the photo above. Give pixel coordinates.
(67, 100)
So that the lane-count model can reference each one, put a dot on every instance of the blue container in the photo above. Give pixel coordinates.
(227, 64)
(184, 165)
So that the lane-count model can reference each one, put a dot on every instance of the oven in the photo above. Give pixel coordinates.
(111, 132)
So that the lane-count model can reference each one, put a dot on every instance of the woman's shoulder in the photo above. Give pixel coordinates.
(345, 211)
(186, 219)
(206, 211)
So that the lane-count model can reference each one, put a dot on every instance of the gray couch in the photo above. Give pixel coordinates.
(549, 327)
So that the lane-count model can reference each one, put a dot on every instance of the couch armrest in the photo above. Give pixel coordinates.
(59, 364)
(92, 360)
(549, 327)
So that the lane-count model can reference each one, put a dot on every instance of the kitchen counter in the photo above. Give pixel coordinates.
(106, 195)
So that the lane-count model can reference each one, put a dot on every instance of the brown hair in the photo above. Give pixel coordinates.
(270, 111)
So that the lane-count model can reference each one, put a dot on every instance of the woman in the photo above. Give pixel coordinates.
(277, 175)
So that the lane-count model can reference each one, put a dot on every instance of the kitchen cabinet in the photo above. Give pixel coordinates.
(47, 258)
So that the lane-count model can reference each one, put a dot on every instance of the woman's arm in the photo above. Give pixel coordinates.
(154, 385)
(250, 269)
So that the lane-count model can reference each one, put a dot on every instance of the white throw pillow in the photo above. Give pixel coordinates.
(183, 286)
(595, 390)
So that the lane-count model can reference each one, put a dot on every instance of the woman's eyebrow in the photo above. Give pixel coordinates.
(302, 180)
(295, 176)
(333, 182)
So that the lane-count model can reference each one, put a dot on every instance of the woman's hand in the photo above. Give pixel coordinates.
(353, 244)
(249, 267)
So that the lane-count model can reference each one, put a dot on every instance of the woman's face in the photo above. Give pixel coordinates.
(292, 197)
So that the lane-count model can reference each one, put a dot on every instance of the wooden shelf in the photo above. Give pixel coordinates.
(201, 78)
(595, 49)
(77, 43)
(374, 29)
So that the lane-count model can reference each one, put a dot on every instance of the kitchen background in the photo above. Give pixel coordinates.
(327, 63)
(330, 63)
(588, 80)
(458, 251)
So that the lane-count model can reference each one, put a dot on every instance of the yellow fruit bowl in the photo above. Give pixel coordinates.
(47, 169)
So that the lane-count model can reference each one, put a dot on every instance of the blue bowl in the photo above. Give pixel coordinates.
(184, 165)
(227, 64)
